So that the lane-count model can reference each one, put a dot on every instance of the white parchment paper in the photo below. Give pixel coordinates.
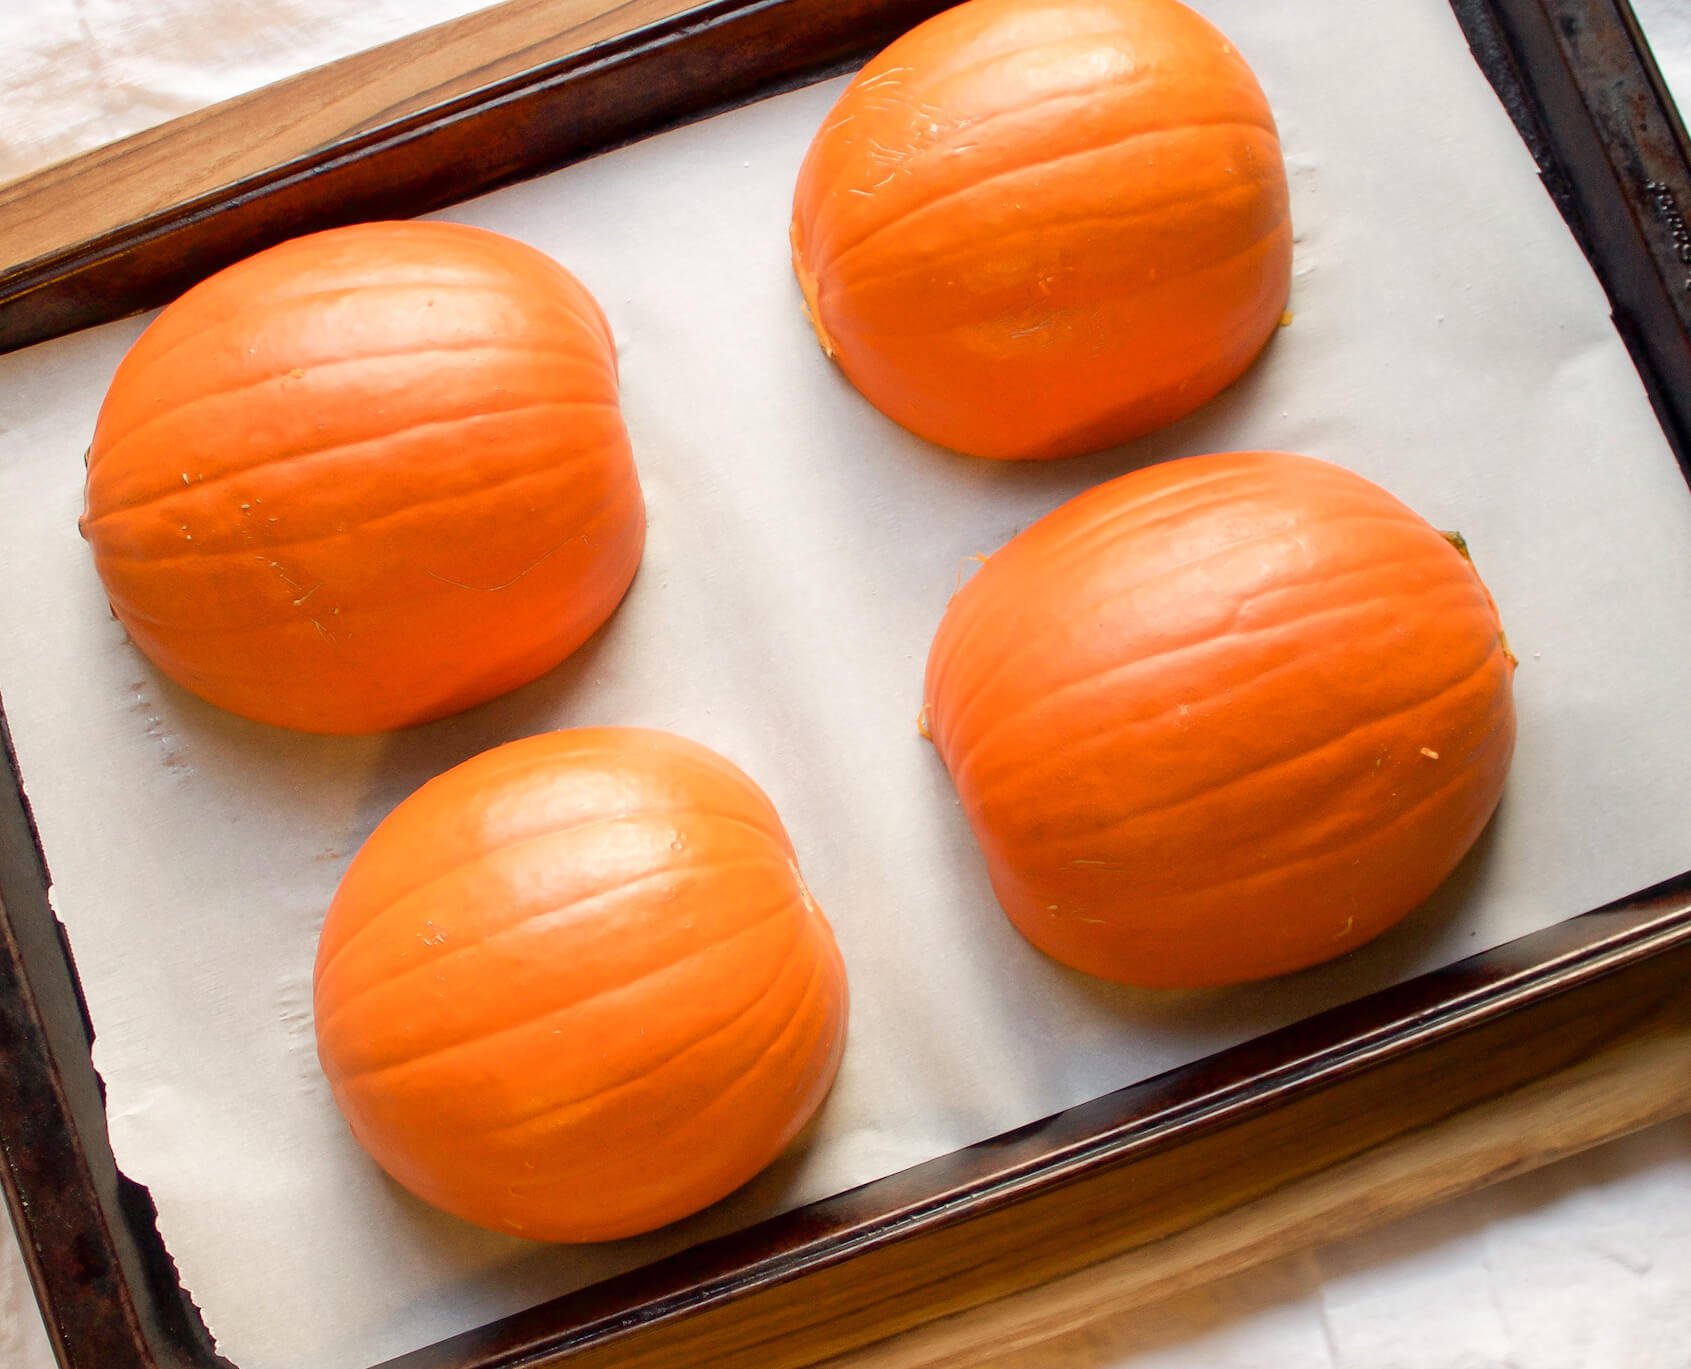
(1449, 341)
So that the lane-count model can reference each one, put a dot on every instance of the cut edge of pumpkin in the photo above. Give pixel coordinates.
(812, 310)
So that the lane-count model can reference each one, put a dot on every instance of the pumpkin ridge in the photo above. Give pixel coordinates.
(946, 145)
(914, 93)
(390, 901)
(163, 651)
(762, 920)
(660, 1207)
(1043, 230)
(310, 296)
(1455, 778)
(348, 996)
(512, 761)
(529, 472)
(646, 1073)
(1114, 145)
(957, 646)
(602, 820)
(975, 747)
(1127, 34)
(944, 76)
(1214, 637)
(728, 1088)
(1280, 762)
(1163, 573)
(169, 493)
(152, 358)
(826, 955)
(927, 329)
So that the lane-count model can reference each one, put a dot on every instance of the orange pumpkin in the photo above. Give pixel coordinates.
(1222, 718)
(367, 478)
(576, 988)
(1032, 228)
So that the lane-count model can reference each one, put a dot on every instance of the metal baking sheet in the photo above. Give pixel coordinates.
(1448, 340)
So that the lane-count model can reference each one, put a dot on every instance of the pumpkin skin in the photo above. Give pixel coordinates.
(1222, 719)
(575, 988)
(366, 478)
(1033, 228)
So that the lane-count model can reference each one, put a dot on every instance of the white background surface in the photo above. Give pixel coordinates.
(1584, 1264)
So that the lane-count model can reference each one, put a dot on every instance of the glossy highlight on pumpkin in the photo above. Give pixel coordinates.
(1033, 228)
(576, 988)
(366, 478)
(1222, 718)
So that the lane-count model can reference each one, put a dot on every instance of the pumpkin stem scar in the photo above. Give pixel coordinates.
(1460, 542)
(494, 589)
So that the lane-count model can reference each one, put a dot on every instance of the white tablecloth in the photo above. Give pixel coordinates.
(1583, 1265)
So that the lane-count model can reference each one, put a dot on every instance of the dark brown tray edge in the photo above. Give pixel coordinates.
(1617, 171)
(108, 1290)
(1651, 316)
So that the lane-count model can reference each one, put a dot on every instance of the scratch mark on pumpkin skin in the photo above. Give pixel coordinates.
(302, 598)
(494, 589)
(879, 78)
(979, 558)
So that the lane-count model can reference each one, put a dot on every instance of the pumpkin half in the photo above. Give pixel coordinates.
(1222, 718)
(1032, 228)
(575, 988)
(366, 478)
